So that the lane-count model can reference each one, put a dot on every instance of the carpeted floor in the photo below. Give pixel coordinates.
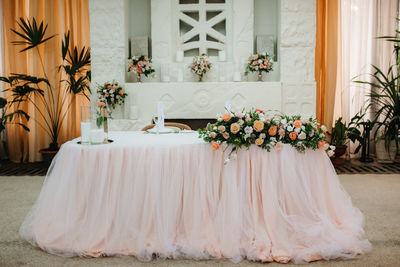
(378, 197)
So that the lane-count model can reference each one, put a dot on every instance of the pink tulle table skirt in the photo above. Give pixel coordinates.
(171, 196)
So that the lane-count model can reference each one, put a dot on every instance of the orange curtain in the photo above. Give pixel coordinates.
(61, 16)
(326, 59)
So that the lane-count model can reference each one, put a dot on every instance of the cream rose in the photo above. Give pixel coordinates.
(235, 128)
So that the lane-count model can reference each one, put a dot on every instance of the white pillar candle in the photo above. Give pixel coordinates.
(134, 114)
(85, 132)
(179, 77)
(97, 136)
(179, 56)
(221, 55)
(236, 76)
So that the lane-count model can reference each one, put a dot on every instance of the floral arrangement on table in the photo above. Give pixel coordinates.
(200, 66)
(141, 65)
(111, 94)
(259, 63)
(243, 129)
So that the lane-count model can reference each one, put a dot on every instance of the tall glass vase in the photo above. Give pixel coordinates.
(260, 78)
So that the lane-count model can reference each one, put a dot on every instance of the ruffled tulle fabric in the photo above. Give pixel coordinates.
(179, 200)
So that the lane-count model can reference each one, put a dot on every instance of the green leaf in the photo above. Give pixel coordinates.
(31, 34)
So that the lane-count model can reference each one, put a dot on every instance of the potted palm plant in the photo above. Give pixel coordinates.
(51, 100)
(386, 98)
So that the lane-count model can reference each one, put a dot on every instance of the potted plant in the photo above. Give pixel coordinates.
(49, 99)
(385, 96)
(339, 140)
(10, 118)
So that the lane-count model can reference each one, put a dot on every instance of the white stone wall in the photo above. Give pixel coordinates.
(294, 94)
(108, 40)
(297, 56)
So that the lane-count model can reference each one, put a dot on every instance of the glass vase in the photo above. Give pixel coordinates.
(139, 78)
(260, 77)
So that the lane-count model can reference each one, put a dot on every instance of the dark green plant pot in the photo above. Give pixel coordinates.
(339, 151)
(48, 154)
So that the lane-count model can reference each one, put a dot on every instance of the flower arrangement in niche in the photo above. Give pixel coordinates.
(111, 94)
(242, 129)
(259, 63)
(200, 66)
(141, 65)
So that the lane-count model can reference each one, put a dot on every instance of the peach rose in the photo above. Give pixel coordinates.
(226, 117)
(278, 145)
(225, 135)
(212, 134)
(259, 141)
(221, 128)
(297, 123)
(272, 130)
(121, 92)
(258, 126)
(100, 104)
(235, 128)
(293, 135)
(321, 144)
(215, 145)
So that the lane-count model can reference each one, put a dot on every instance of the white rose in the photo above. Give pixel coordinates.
(324, 129)
(297, 130)
(302, 136)
(331, 153)
(241, 122)
(248, 130)
(262, 119)
(326, 146)
(289, 128)
(332, 148)
(303, 127)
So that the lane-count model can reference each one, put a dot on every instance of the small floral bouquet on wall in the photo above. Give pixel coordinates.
(242, 129)
(111, 94)
(259, 63)
(141, 65)
(200, 66)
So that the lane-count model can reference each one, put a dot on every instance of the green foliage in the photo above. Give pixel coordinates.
(47, 99)
(32, 34)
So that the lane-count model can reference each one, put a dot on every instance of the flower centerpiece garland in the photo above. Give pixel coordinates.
(259, 63)
(141, 65)
(243, 129)
(200, 66)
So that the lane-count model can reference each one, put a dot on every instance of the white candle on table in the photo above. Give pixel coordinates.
(134, 114)
(180, 75)
(97, 136)
(236, 76)
(85, 132)
(179, 56)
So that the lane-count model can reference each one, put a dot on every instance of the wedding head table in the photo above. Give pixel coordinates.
(172, 196)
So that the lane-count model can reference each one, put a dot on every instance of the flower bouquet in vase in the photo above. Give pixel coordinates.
(112, 95)
(141, 65)
(200, 66)
(259, 63)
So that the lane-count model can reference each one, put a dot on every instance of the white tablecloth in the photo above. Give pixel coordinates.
(171, 196)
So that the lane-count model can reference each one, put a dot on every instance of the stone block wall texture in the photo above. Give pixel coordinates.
(108, 40)
(297, 56)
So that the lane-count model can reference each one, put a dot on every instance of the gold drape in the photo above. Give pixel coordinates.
(326, 59)
(61, 16)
